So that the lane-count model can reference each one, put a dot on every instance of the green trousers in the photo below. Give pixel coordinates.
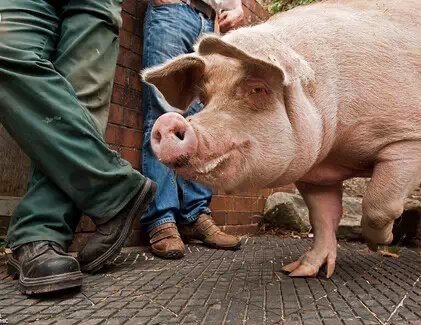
(57, 66)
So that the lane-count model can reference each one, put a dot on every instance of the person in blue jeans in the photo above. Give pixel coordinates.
(171, 28)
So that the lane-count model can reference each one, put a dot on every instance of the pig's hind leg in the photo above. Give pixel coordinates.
(396, 174)
(325, 209)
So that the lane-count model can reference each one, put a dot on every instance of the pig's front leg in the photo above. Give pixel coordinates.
(325, 209)
(391, 183)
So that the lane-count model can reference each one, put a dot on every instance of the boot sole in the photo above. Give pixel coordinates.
(230, 248)
(46, 284)
(171, 255)
(115, 249)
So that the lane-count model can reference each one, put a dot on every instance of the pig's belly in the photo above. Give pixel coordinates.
(332, 174)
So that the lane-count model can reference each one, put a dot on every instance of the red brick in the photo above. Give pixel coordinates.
(133, 119)
(260, 12)
(245, 204)
(133, 156)
(136, 44)
(241, 230)
(129, 59)
(142, 5)
(139, 27)
(251, 5)
(261, 205)
(116, 114)
(219, 217)
(131, 42)
(121, 77)
(129, 22)
(250, 194)
(119, 135)
(125, 117)
(222, 203)
(111, 134)
(130, 6)
(134, 80)
(127, 97)
(239, 218)
(126, 39)
(128, 78)
(247, 16)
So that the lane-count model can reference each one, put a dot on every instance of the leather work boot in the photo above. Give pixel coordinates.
(109, 237)
(43, 267)
(205, 230)
(166, 242)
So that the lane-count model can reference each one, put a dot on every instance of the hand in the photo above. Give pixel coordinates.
(229, 18)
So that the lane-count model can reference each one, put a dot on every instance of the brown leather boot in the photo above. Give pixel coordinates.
(205, 230)
(166, 242)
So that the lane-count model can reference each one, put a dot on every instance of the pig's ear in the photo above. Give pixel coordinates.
(250, 48)
(176, 79)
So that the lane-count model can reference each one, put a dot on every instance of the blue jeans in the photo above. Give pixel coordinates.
(170, 30)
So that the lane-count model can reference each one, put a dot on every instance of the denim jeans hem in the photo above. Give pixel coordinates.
(159, 223)
(193, 216)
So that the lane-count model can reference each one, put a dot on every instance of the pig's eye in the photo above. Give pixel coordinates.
(258, 90)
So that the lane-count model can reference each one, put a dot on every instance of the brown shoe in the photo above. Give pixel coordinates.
(205, 230)
(166, 242)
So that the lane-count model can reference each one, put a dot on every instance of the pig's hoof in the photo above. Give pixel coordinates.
(310, 263)
(372, 246)
(375, 237)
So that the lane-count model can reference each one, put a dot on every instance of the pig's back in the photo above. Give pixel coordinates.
(366, 56)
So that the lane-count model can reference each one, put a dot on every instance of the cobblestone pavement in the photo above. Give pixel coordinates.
(223, 287)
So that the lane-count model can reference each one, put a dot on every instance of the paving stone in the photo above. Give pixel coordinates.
(42, 322)
(138, 321)
(65, 321)
(105, 313)
(225, 287)
(127, 313)
(148, 312)
(91, 322)
(116, 321)
(10, 310)
(82, 314)
(16, 318)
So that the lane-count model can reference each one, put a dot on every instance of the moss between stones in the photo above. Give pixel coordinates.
(275, 6)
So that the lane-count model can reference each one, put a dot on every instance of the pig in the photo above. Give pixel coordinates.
(312, 97)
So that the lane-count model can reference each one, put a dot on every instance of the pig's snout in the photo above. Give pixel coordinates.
(173, 140)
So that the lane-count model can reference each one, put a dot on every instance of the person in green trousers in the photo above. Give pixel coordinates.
(57, 65)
